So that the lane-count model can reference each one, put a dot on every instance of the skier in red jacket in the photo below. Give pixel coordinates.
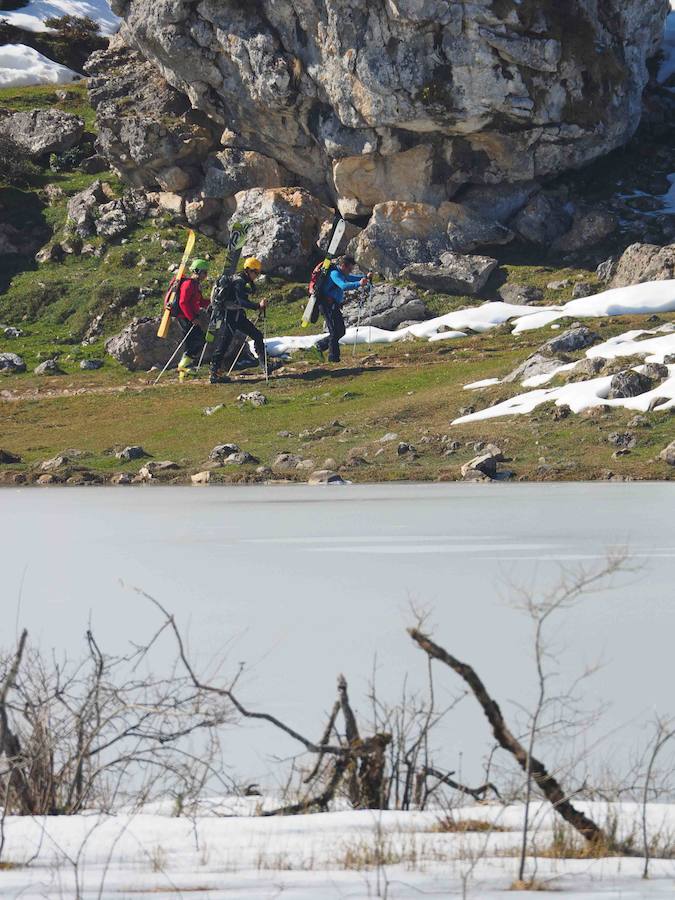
(191, 302)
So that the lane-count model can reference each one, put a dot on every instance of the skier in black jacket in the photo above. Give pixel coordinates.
(235, 319)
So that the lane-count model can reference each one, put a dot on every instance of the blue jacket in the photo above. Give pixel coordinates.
(337, 284)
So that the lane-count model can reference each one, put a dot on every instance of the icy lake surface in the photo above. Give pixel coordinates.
(303, 583)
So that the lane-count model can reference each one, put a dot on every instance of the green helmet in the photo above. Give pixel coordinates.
(199, 265)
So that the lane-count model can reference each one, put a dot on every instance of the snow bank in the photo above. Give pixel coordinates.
(21, 66)
(320, 857)
(637, 299)
(451, 325)
(32, 16)
(578, 396)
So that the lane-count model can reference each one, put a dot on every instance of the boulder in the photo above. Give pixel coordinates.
(38, 132)
(232, 170)
(588, 229)
(286, 461)
(7, 458)
(241, 458)
(399, 235)
(130, 453)
(90, 365)
(487, 94)
(583, 289)
(571, 340)
(221, 451)
(589, 367)
(11, 363)
(49, 367)
(111, 220)
(82, 207)
(520, 294)
(52, 252)
(624, 440)
(468, 230)
(365, 180)
(453, 273)
(199, 209)
(628, 384)
(543, 220)
(201, 477)
(138, 348)
(486, 464)
(285, 223)
(173, 179)
(537, 364)
(145, 127)
(387, 306)
(644, 262)
(668, 454)
(56, 462)
(325, 476)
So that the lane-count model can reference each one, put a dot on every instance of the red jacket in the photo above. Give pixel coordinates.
(190, 299)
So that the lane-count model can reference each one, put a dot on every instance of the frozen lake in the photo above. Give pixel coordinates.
(304, 583)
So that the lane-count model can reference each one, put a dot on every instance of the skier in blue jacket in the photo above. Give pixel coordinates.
(340, 280)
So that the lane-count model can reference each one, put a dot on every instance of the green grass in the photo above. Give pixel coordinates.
(45, 96)
(415, 390)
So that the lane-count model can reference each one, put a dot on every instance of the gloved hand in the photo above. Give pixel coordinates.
(263, 304)
(210, 337)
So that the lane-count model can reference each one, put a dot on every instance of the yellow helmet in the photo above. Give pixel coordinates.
(253, 263)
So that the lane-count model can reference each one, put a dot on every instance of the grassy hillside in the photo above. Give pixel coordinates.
(413, 389)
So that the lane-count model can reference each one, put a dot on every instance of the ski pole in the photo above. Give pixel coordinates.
(206, 340)
(174, 355)
(241, 350)
(358, 324)
(370, 299)
(267, 374)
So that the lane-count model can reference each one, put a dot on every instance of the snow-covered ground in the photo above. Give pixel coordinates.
(32, 16)
(319, 857)
(638, 299)
(21, 66)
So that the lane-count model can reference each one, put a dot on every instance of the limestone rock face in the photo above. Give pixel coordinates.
(644, 262)
(285, 224)
(378, 100)
(41, 131)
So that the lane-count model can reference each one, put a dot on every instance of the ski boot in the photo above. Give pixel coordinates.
(218, 378)
(186, 368)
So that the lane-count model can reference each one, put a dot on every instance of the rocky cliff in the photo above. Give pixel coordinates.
(367, 102)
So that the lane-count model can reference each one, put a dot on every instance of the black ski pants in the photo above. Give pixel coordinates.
(196, 338)
(235, 320)
(336, 329)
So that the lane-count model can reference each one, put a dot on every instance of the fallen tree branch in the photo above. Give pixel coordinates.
(478, 793)
(546, 782)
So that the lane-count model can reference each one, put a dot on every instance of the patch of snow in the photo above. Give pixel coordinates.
(637, 299)
(314, 857)
(578, 396)
(32, 16)
(21, 66)
(537, 380)
(628, 344)
(486, 382)
(442, 328)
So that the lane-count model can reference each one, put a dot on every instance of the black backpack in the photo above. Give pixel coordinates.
(223, 296)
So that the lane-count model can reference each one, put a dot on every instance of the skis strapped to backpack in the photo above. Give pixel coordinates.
(321, 273)
(222, 293)
(171, 299)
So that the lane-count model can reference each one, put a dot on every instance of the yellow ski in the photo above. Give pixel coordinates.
(170, 298)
